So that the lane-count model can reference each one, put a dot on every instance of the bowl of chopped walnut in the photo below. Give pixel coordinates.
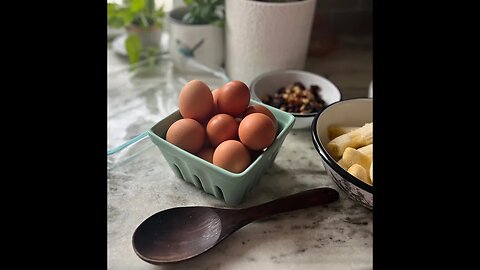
(301, 93)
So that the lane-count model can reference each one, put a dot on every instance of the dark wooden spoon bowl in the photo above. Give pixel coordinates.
(181, 233)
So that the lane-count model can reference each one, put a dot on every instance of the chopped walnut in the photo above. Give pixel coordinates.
(297, 99)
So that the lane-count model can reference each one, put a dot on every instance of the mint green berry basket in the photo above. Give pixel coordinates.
(224, 185)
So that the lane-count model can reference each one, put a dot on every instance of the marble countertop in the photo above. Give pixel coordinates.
(140, 183)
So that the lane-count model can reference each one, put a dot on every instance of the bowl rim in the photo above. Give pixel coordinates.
(329, 159)
(263, 75)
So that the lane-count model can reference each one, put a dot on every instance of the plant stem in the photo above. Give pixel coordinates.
(144, 20)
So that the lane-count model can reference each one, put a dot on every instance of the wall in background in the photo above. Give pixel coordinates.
(338, 22)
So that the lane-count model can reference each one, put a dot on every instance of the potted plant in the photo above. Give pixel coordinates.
(196, 31)
(142, 21)
(204, 12)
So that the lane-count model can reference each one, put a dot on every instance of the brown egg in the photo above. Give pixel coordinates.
(206, 154)
(220, 128)
(206, 141)
(215, 94)
(195, 101)
(187, 134)
(234, 98)
(232, 155)
(257, 108)
(256, 131)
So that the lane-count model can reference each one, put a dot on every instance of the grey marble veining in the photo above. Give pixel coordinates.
(140, 183)
(335, 236)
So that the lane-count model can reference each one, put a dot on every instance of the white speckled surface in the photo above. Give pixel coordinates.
(261, 36)
(140, 183)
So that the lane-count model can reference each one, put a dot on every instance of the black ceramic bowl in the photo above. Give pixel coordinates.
(351, 112)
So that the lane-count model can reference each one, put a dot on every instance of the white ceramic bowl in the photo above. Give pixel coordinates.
(269, 83)
(350, 112)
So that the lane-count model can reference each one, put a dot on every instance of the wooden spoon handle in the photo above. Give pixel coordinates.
(297, 201)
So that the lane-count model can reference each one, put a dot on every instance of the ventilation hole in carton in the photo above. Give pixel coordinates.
(177, 171)
(197, 182)
(218, 193)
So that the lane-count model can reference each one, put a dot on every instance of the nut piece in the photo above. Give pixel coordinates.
(296, 98)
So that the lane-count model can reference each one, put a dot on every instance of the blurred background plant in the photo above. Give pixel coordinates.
(143, 22)
(205, 12)
(278, 1)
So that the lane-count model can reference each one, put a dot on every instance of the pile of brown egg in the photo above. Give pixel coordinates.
(221, 126)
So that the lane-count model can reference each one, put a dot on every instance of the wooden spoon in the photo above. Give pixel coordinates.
(181, 233)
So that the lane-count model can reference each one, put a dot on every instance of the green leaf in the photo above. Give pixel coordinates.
(143, 20)
(127, 15)
(111, 9)
(187, 18)
(160, 13)
(115, 22)
(133, 45)
(114, 19)
(151, 55)
(204, 11)
(150, 9)
(137, 5)
(134, 12)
